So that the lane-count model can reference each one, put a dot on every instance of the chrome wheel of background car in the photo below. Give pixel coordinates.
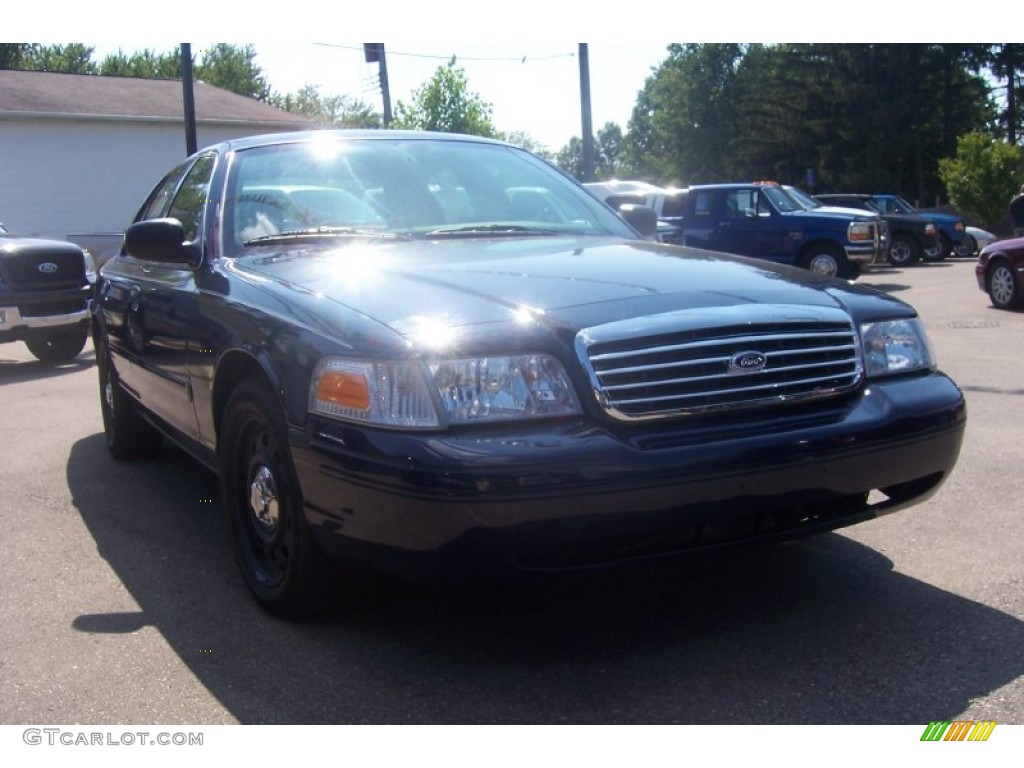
(822, 261)
(281, 564)
(1002, 286)
(127, 434)
(903, 251)
(59, 347)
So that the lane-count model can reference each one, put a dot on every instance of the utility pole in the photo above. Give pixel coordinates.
(588, 129)
(375, 52)
(188, 97)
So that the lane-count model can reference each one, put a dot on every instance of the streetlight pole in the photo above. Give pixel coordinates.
(588, 129)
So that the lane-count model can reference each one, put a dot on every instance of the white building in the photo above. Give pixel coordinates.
(79, 153)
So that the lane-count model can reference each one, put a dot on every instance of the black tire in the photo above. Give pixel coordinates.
(825, 259)
(59, 346)
(1002, 286)
(904, 251)
(281, 564)
(940, 251)
(128, 435)
(968, 247)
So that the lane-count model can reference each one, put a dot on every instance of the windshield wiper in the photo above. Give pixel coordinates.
(489, 230)
(314, 233)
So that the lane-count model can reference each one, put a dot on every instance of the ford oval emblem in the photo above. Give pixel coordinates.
(748, 362)
(47, 267)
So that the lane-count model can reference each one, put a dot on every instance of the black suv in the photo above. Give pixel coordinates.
(44, 296)
(911, 237)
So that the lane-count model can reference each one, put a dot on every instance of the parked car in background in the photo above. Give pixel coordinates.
(976, 239)
(1000, 272)
(44, 295)
(951, 227)
(426, 377)
(911, 236)
(809, 203)
(761, 220)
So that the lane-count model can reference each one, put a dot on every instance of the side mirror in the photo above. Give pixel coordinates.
(160, 240)
(643, 219)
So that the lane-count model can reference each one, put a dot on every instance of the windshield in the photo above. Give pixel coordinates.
(403, 187)
(804, 200)
(892, 204)
(782, 201)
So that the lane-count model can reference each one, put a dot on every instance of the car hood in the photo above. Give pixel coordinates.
(572, 282)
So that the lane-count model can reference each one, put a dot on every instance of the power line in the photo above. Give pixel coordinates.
(521, 59)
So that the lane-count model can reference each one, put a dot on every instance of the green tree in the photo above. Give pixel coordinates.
(335, 111)
(234, 69)
(684, 120)
(445, 103)
(607, 151)
(607, 154)
(868, 117)
(73, 58)
(145, 63)
(527, 142)
(570, 157)
(982, 177)
(12, 55)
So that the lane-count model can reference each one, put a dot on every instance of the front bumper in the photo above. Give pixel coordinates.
(864, 254)
(577, 494)
(36, 312)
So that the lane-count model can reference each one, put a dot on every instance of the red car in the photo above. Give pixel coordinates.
(1000, 272)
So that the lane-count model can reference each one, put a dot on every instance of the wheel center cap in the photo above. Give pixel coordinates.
(263, 499)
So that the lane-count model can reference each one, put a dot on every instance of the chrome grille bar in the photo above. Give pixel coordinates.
(717, 359)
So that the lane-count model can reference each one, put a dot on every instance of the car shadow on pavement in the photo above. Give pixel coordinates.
(14, 371)
(817, 631)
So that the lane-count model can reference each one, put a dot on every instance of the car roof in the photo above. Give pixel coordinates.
(292, 137)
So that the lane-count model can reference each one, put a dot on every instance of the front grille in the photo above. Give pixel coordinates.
(718, 359)
(41, 265)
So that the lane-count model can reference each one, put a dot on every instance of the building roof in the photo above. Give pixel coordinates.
(57, 94)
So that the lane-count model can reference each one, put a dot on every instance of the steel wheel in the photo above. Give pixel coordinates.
(903, 251)
(1002, 286)
(279, 561)
(822, 260)
(967, 247)
(939, 251)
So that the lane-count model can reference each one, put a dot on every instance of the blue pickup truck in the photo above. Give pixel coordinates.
(951, 227)
(761, 220)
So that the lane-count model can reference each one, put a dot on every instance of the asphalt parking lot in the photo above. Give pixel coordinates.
(121, 603)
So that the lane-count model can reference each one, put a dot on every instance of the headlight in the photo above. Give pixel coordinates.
(430, 394)
(860, 231)
(503, 388)
(895, 346)
(90, 267)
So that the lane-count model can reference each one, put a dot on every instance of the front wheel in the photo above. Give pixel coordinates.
(280, 563)
(968, 247)
(903, 251)
(830, 261)
(1002, 286)
(940, 250)
(58, 347)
